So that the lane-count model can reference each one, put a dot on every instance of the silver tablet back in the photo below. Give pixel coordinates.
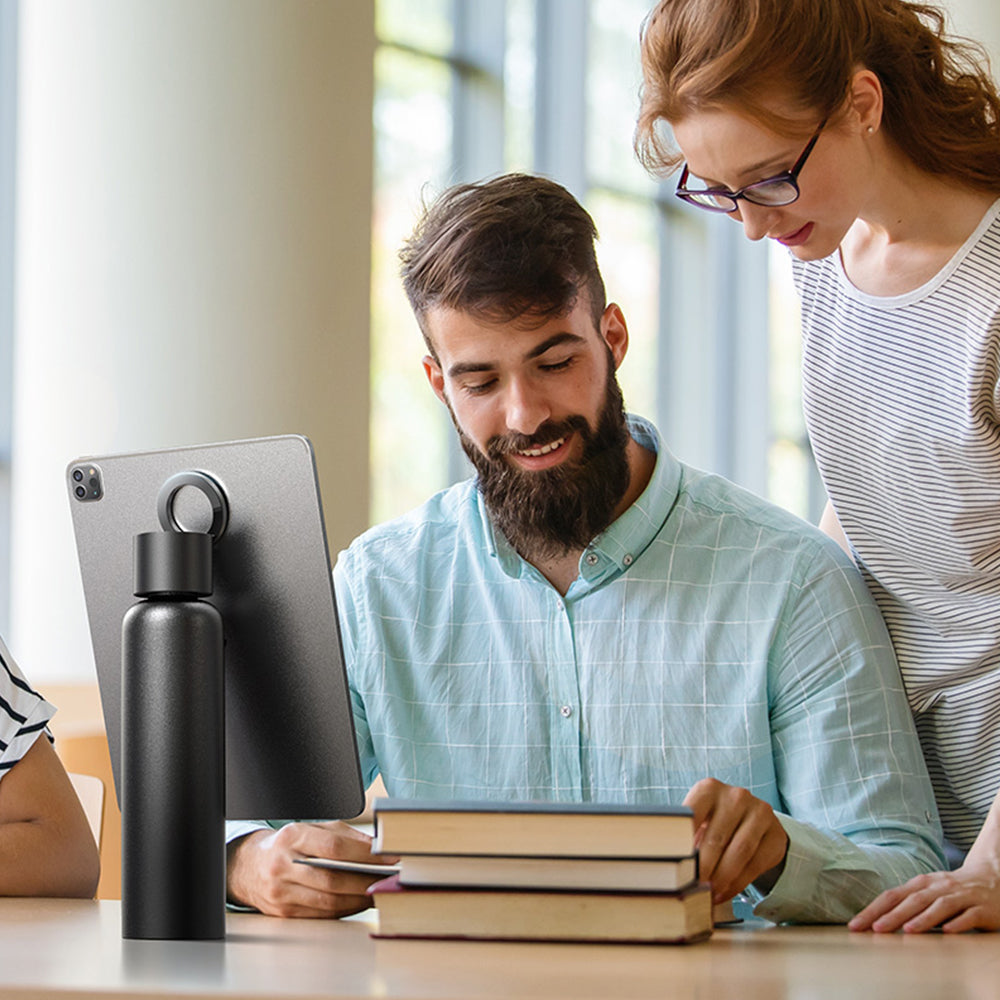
(290, 743)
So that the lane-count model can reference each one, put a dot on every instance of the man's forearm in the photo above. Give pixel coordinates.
(827, 878)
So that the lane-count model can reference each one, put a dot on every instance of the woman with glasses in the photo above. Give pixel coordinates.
(863, 138)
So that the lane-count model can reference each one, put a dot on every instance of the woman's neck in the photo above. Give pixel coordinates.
(912, 224)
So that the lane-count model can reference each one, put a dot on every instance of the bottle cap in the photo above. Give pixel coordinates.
(172, 564)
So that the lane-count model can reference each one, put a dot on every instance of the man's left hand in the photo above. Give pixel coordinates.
(737, 835)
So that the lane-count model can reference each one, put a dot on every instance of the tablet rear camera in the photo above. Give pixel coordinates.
(88, 483)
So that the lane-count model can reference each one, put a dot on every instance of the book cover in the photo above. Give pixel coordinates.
(531, 829)
(542, 915)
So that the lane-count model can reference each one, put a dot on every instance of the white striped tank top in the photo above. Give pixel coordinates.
(902, 404)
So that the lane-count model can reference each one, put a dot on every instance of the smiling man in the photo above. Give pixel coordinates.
(539, 413)
(588, 619)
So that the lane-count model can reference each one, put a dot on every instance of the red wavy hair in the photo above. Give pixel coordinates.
(940, 104)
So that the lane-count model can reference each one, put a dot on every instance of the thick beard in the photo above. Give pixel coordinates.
(549, 513)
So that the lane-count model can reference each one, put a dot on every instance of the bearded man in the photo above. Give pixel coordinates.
(588, 619)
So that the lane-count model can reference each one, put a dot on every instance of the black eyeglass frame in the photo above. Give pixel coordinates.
(790, 177)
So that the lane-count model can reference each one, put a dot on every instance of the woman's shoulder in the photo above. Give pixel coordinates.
(989, 230)
(11, 677)
(20, 704)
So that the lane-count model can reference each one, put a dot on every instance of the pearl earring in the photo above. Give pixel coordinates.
(870, 130)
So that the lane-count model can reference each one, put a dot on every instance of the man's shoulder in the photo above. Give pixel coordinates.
(714, 504)
(434, 525)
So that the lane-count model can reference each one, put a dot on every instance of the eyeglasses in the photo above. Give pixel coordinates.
(773, 192)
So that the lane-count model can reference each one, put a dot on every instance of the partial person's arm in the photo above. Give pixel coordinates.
(46, 846)
(963, 900)
(857, 803)
(263, 873)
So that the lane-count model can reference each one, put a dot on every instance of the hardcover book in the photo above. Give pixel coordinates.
(542, 915)
(491, 871)
(532, 829)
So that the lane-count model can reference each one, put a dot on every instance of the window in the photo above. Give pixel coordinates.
(465, 90)
(415, 86)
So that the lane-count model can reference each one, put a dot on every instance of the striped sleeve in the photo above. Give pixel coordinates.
(24, 713)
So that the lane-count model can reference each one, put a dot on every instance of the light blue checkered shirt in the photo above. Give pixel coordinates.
(708, 634)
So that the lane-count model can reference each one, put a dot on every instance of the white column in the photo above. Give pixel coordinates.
(192, 261)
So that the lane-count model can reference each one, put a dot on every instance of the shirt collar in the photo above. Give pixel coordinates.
(625, 539)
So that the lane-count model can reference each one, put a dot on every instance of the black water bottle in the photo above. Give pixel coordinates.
(173, 745)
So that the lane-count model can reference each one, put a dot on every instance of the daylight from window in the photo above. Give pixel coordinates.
(464, 91)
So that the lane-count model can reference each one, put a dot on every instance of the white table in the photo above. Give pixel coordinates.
(73, 948)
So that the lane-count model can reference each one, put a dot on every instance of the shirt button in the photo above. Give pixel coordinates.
(591, 559)
(566, 711)
(627, 560)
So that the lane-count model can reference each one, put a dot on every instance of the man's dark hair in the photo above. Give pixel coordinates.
(516, 245)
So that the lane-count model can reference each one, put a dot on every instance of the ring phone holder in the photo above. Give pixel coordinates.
(173, 724)
(200, 482)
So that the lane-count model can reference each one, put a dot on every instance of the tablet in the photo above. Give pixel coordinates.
(290, 745)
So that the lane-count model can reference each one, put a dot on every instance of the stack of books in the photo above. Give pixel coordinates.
(539, 871)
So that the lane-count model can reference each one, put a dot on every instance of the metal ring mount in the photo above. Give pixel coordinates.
(203, 482)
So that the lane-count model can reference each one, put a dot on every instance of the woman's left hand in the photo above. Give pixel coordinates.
(962, 900)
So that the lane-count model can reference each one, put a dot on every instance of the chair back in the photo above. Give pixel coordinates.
(90, 791)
